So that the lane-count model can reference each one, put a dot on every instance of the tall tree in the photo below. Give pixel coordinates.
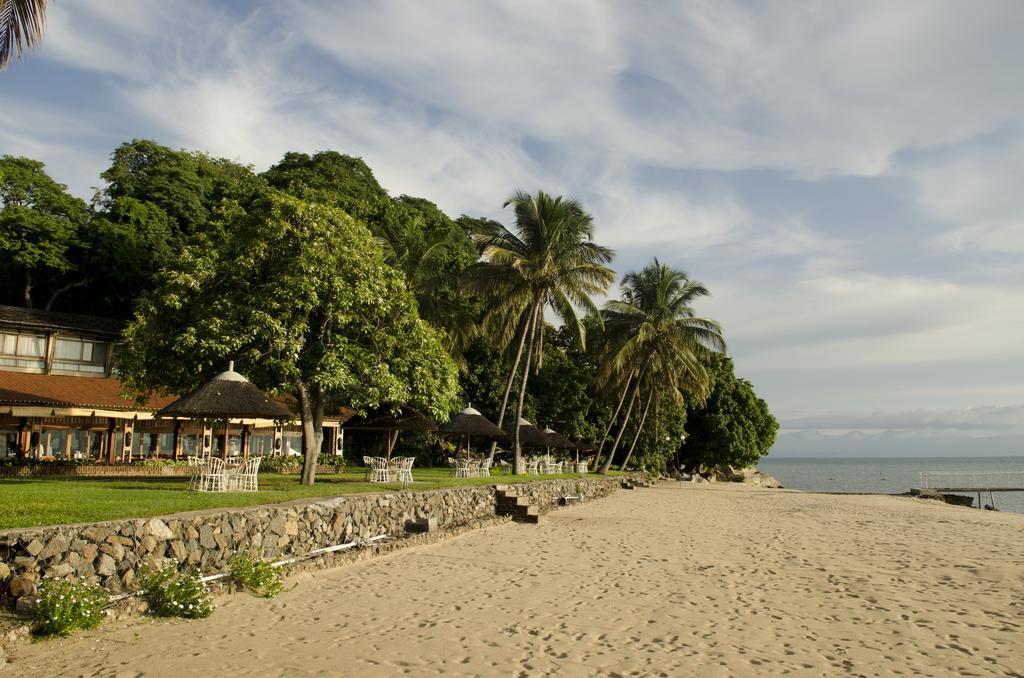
(22, 23)
(732, 428)
(548, 260)
(42, 228)
(299, 294)
(431, 251)
(155, 201)
(654, 325)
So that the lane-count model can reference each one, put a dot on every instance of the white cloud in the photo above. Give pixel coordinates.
(462, 102)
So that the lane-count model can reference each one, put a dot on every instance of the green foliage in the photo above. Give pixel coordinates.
(258, 576)
(299, 295)
(63, 607)
(654, 344)
(547, 260)
(338, 180)
(733, 428)
(176, 594)
(562, 395)
(155, 202)
(184, 189)
(418, 239)
(42, 230)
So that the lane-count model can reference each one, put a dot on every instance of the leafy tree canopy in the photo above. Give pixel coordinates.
(299, 295)
(338, 180)
(733, 428)
(185, 186)
(42, 228)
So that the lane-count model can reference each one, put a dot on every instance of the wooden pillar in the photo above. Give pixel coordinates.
(111, 430)
(177, 439)
(24, 437)
(88, 444)
(243, 439)
(224, 449)
(67, 445)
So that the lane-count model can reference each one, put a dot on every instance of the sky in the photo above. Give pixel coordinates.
(846, 178)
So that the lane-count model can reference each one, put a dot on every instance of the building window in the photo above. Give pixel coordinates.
(23, 350)
(79, 355)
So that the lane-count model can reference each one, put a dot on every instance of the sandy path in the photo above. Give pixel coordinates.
(674, 580)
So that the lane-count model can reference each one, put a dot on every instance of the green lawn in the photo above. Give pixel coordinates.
(32, 502)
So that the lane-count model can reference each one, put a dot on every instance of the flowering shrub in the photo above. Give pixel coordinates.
(258, 576)
(63, 607)
(176, 594)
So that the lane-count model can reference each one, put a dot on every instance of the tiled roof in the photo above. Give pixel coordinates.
(56, 390)
(31, 318)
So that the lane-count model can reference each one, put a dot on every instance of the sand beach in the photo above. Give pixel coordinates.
(671, 580)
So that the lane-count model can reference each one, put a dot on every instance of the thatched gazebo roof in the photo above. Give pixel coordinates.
(229, 395)
(386, 419)
(471, 422)
(529, 435)
(558, 441)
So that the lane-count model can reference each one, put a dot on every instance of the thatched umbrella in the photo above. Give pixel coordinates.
(469, 422)
(529, 435)
(386, 419)
(227, 396)
(558, 441)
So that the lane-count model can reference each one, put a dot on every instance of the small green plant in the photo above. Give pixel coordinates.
(176, 594)
(258, 576)
(63, 607)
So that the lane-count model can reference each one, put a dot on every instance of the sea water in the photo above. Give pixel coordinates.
(890, 475)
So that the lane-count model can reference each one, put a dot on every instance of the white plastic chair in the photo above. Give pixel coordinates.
(195, 466)
(452, 466)
(378, 470)
(246, 477)
(485, 468)
(462, 468)
(211, 476)
(403, 469)
(533, 467)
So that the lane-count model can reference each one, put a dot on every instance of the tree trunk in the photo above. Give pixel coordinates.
(28, 289)
(508, 385)
(625, 420)
(70, 286)
(522, 394)
(311, 410)
(611, 422)
(639, 430)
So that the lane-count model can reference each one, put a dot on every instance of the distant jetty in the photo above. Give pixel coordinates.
(948, 487)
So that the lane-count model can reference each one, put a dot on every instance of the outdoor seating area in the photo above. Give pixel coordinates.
(212, 474)
(384, 470)
(470, 468)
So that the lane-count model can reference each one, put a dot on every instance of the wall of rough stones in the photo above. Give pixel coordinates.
(111, 553)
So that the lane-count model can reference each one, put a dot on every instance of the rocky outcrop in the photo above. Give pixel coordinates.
(750, 476)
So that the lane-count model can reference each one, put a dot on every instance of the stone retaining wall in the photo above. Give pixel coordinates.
(110, 553)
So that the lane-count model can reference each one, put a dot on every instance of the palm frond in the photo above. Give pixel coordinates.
(22, 23)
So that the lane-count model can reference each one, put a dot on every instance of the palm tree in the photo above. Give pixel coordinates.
(21, 27)
(423, 257)
(653, 333)
(547, 261)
